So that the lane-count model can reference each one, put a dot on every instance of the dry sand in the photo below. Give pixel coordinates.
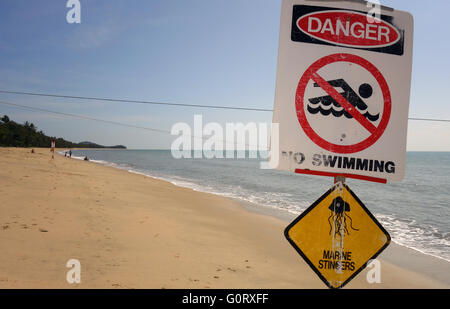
(131, 231)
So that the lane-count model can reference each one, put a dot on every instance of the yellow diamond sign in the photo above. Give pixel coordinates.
(337, 236)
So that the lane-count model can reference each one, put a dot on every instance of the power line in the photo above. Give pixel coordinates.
(170, 104)
(134, 101)
(430, 119)
(25, 107)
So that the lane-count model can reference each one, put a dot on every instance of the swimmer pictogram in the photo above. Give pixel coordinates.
(348, 102)
(327, 105)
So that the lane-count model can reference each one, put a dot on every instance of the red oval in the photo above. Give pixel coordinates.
(348, 28)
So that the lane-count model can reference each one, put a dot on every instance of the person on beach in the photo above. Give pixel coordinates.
(86, 158)
(70, 153)
(53, 148)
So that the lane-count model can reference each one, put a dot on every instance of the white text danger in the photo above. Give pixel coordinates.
(358, 30)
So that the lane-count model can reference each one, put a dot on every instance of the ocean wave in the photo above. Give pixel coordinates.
(426, 239)
(422, 238)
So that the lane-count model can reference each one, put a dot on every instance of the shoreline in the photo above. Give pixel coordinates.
(248, 205)
(132, 231)
(435, 267)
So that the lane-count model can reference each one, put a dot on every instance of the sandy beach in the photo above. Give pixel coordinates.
(132, 231)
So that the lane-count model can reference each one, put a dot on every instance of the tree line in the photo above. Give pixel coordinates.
(13, 134)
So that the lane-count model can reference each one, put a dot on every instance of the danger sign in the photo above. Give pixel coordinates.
(342, 93)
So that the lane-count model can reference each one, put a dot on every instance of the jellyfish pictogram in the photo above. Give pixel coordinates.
(338, 218)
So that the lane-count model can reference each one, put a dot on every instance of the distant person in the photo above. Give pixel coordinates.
(86, 158)
(70, 153)
(53, 148)
(65, 153)
(32, 150)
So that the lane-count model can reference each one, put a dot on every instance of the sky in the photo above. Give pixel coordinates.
(209, 52)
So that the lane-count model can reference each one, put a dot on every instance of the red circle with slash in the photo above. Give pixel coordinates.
(311, 74)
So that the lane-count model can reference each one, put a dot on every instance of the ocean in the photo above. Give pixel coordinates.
(415, 212)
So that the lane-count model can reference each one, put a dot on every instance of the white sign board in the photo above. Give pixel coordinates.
(342, 92)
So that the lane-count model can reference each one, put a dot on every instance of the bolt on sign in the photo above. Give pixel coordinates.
(342, 91)
(337, 236)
